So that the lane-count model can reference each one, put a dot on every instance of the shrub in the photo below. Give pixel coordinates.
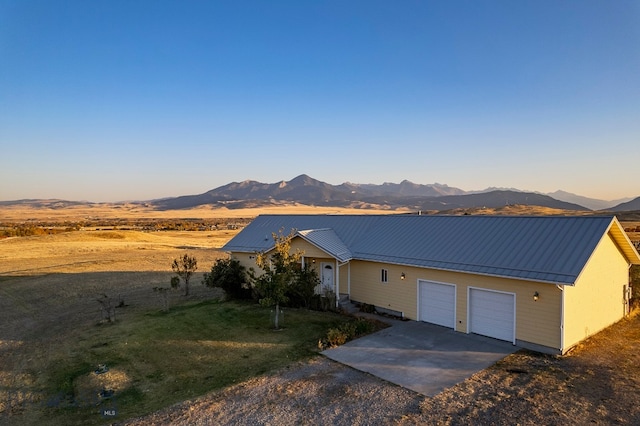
(302, 291)
(324, 302)
(363, 327)
(336, 337)
(350, 330)
(229, 275)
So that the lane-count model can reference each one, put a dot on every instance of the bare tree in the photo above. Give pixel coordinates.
(184, 267)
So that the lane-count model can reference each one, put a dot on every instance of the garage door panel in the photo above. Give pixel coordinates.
(437, 303)
(492, 314)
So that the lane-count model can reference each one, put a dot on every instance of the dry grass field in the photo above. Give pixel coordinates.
(138, 211)
(49, 286)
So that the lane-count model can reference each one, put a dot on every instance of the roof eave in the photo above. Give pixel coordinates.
(334, 255)
(624, 243)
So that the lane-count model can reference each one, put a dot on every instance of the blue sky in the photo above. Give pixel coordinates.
(121, 100)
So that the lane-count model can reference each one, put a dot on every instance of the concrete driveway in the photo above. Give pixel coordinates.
(425, 358)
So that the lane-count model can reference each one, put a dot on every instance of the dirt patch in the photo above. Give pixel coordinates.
(94, 387)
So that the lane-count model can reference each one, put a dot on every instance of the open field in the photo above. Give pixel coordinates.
(49, 286)
(138, 211)
(107, 251)
(50, 283)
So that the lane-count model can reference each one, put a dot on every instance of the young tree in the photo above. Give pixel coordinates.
(279, 273)
(184, 267)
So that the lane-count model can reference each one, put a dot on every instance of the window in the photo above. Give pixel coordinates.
(384, 275)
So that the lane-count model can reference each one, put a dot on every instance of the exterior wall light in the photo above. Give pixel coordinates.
(402, 276)
(536, 296)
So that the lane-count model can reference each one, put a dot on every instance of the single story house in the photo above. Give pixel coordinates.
(540, 282)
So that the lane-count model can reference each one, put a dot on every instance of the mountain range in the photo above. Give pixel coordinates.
(432, 197)
(308, 191)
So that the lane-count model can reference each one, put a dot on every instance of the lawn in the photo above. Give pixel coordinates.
(157, 359)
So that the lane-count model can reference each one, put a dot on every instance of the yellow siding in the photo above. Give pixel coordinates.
(247, 260)
(344, 279)
(396, 294)
(596, 301)
(536, 322)
(309, 249)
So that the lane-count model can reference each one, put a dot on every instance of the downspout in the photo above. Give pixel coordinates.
(628, 293)
(561, 288)
(337, 283)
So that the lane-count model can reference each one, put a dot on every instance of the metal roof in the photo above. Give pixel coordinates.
(257, 236)
(327, 240)
(551, 249)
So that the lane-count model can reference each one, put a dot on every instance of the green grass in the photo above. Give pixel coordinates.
(170, 357)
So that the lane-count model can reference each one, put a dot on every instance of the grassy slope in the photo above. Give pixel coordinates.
(158, 359)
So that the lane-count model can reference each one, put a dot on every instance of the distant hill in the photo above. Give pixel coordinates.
(45, 203)
(628, 206)
(496, 199)
(306, 190)
(591, 203)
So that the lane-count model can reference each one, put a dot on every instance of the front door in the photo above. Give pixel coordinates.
(326, 277)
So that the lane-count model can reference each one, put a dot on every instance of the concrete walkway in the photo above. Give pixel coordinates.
(423, 357)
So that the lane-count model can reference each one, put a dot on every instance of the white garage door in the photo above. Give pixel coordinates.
(492, 314)
(438, 303)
